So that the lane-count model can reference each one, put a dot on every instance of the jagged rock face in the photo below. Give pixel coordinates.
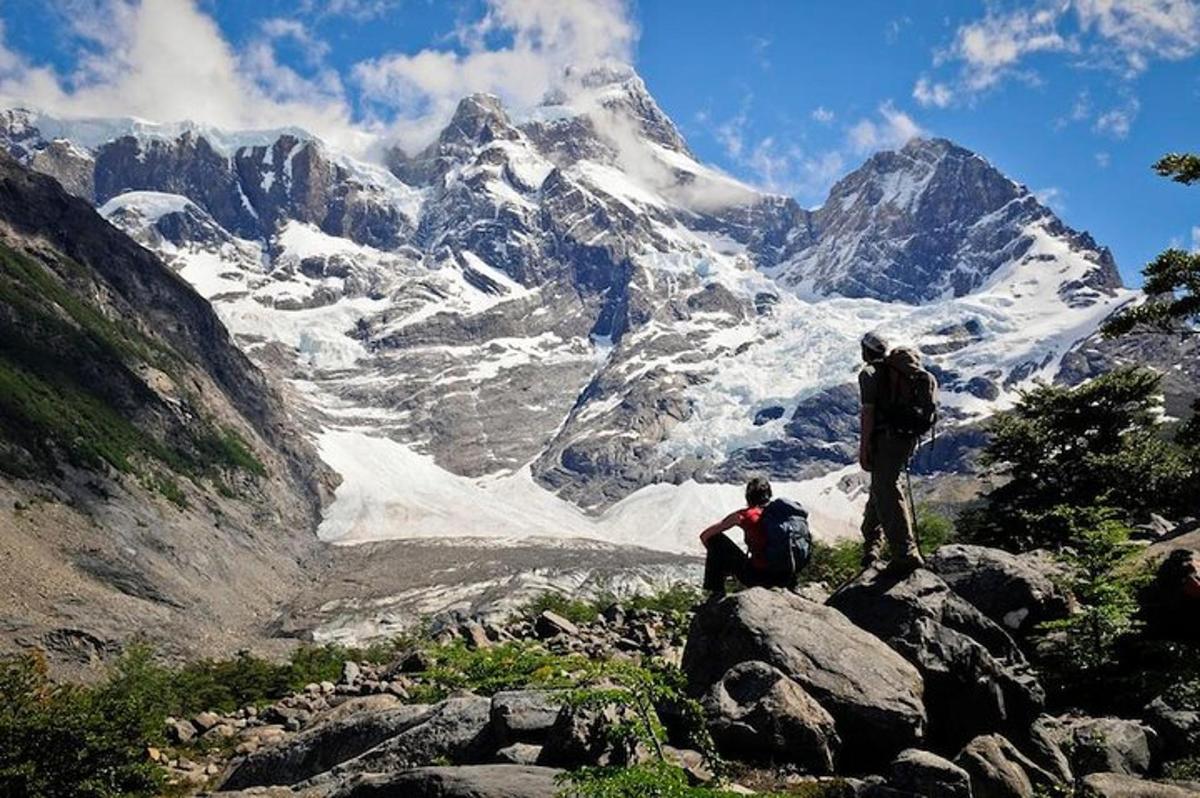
(162, 460)
(567, 289)
(928, 220)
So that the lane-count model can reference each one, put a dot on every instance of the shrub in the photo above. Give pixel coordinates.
(72, 741)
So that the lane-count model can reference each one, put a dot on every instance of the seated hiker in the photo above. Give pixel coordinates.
(776, 535)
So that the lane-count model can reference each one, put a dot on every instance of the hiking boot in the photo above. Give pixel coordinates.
(869, 560)
(906, 564)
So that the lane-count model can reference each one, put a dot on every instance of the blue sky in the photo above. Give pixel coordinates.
(1074, 98)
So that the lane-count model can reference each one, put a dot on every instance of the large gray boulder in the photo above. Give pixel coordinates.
(582, 736)
(757, 714)
(525, 716)
(472, 781)
(998, 770)
(917, 772)
(1109, 745)
(1177, 723)
(1043, 742)
(1017, 591)
(976, 679)
(457, 730)
(873, 694)
(1118, 785)
(320, 748)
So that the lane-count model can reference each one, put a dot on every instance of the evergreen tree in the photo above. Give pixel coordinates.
(1172, 281)
(1099, 443)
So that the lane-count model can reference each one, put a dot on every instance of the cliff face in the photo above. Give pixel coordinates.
(150, 481)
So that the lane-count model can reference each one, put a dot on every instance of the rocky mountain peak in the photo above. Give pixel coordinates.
(928, 220)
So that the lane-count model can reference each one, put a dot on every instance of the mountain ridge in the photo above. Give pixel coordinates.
(572, 292)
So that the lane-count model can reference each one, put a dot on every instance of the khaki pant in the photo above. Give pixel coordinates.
(888, 513)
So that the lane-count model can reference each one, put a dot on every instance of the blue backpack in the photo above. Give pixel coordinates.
(789, 540)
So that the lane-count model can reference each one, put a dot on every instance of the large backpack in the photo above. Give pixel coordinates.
(789, 541)
(907, 400)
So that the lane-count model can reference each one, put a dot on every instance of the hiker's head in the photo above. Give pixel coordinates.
(874, 347)
(758, 492)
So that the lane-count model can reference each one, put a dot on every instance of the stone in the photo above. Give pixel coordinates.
(872, 693)
(472, 781)
(475, 636)
(205, 721)
(926, 774)
(551, 624)
(756, 713)
(994, 771)
(1043, 744)
(976, 678)
(457, 730)
(1017, 591)
(1119, 785)
(999, 770)
(323, 746)
(519, 754)
(181, 732)
(1111, 745)
(525, 715)
(582, 737)
(1177, 726)
(350, 672)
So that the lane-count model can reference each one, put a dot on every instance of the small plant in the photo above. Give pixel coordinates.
(1099, 557)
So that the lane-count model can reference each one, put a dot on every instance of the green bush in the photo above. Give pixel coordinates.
(651, 780)
(833, 564)
(1102, 443)
(72, 741)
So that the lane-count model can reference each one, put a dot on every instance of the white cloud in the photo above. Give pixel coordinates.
(823, 115)
(1125, 34)
(993, 46)
(1052, 197)
(1118, 121)
(1196, 239)
(892, 130)
(1103, 160)
(165, 60)
(547, 36)
(929, 93)
(357, 9)
(1142, 30)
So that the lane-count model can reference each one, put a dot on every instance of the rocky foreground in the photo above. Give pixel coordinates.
(894, 685)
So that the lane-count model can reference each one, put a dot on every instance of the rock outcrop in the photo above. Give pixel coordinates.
(873, 694)
(976, 679)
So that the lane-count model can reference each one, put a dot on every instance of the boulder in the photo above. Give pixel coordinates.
(923, 773)
(582, 737)
(323, 746)
(350, 672)
(757, 714)
(998, 770)
(1110, 745)
(525, 715)
(1017, 591)
(181, 732)
(874, 696)
(551, 624)
(519, 754)
(473, 781)
(1043, 742)
(1118, 785)
(976, 679)
(1177, 725)
(457, 730)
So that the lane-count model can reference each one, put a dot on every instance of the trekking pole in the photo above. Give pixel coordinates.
(912, 503)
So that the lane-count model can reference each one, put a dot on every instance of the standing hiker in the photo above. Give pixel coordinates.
(898, 406)
(776, 535)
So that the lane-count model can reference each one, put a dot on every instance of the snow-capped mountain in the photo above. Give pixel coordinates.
(570, 297)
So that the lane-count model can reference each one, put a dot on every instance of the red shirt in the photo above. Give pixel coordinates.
(750, 520)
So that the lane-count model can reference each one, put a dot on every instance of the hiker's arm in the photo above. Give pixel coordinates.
(728, 522)
(866, 426)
